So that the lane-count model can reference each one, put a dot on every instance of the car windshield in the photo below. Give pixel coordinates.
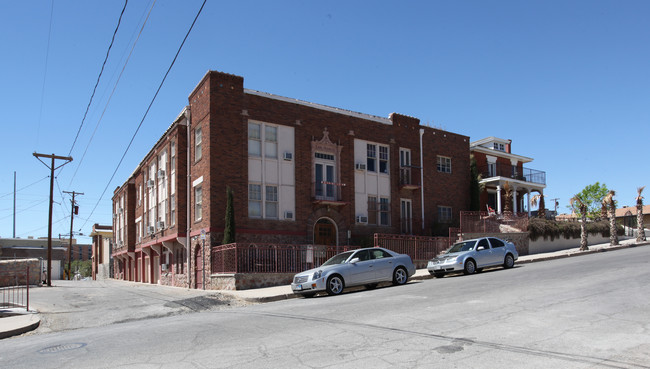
(462, 246)
(338, 259)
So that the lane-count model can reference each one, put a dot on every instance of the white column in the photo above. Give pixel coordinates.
(514, 199)
(499, 199)
(528, 199)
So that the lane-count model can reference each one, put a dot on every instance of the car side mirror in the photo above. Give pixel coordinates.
(354, 261)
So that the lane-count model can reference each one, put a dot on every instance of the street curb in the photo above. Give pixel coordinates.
(426, 276)
(19, 324)
(580, 253)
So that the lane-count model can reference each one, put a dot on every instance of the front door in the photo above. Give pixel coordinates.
(198, 275)
(325, 233)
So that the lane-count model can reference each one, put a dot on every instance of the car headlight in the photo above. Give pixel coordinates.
(452, 260)
(317, 275)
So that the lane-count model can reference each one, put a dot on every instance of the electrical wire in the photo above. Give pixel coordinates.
(99, 76)
(111, 95)
(29, 185)
(146, 112)
(47, 57)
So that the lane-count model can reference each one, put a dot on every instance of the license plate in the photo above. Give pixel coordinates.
(299, 287)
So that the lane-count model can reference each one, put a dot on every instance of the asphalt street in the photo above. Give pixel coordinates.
(586, 312)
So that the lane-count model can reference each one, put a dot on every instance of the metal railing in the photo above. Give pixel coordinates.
(327, 191)
(484, 222)
(15, 290)
(270, 258)
(408, 179)
(420, 248)
(508, 171)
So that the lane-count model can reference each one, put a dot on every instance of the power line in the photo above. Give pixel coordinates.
(99, 76)
(111, 95)
(47, 57)
(29, 185)
(147, 111)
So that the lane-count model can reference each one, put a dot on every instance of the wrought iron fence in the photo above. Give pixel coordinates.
(484, 222)
(270, 258)
(15, 290)
(420, 248)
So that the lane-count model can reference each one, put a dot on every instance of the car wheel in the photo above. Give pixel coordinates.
(439, 274)
(509, 261)
(371, 286)
(470, 267)
(400, 276)
(334, 285)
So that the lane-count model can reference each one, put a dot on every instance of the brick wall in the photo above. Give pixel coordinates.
(15, 271)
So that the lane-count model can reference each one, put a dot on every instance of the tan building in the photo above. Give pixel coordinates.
(101, 251)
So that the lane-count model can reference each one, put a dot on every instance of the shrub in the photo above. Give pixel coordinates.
(543, 228)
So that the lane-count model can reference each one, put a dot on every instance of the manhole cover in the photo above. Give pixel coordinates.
(63, 347)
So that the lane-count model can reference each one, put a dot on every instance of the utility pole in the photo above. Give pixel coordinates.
(14, 204)
(555, 204)
(72, 213)
(52, 168)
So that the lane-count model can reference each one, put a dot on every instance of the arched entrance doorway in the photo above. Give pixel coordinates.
(198, 270)
(325, 232)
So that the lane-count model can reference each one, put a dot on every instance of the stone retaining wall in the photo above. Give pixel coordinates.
(14, 272)
(241, 281)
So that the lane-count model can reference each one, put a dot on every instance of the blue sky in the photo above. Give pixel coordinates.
(567, 81)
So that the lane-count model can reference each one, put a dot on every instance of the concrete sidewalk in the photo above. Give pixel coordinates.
(18, 321)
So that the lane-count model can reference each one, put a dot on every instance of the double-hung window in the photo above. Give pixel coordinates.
(444, 164)
(198, 203)
(444, 214)
(254, 200)
(271, 203)
(198, 141)
(377, 162)
(262, 133)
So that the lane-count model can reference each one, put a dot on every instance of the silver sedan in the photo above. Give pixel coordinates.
(368, 266)
(472, 256)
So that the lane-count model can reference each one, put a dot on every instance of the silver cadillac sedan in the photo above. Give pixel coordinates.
(472, 256)
(367, 267)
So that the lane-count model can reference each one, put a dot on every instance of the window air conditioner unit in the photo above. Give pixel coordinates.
(150, 183)
(120, 243)
(360, 166)
(160, 225)
(120, 210)
(362, 219)
(161, 173)
(288, 215)
(151, 229)
(288, 156)
(114, 216)
(163, 267)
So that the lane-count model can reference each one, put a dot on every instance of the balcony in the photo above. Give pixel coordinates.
(328, 193)
(409, 178)
(508, 171)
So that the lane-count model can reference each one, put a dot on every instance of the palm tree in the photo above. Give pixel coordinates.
(577, 202)
(640, 230)
(610, 205)
(541, 211)
(507, 189)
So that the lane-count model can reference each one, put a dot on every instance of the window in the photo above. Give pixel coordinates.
(172, 210)
(492, 169)
(384, 211)
(198, 203)
(444, 164)
(179, 261)
(444, 214)
(198, 140)
(406, 220)
(172, 150)
(371, 162)
(257, 135)
(372, 158)
(496, 242)
(254, 201)
(271, 142)
(378, 212)
(271, 204)
(139, 195)
(254, 140)
(499, 146)
(383, 159)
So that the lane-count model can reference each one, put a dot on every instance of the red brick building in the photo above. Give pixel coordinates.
(503, 171)
(300, 173)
